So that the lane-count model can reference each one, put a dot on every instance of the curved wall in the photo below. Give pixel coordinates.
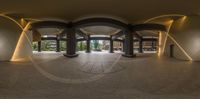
(10, 34)
(185, 36)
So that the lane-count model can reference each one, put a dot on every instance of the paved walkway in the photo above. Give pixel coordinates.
(99, 76)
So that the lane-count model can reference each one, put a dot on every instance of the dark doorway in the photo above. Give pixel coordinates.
(172, 50)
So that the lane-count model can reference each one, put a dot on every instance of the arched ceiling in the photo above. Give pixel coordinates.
(100, 30)
(129, 10)
(49, 31)
(148, 33)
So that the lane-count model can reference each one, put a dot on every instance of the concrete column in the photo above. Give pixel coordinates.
(129, 45)
(123, 45)
(120, 43)
(111, 45)
(88, 50)
(57, 44)
(152, 45)
(71, 43)
(141, 46)
(156, 45)
(39, 46)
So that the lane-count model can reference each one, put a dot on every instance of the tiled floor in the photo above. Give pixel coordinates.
(99, 76)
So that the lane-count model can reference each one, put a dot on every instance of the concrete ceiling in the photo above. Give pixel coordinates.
(49, 31)
(100, 30)
(148, 33)
(129, 10)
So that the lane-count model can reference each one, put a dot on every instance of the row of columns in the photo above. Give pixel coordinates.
(88, 50)
(57, 44)
(88, 45)
(71, 44)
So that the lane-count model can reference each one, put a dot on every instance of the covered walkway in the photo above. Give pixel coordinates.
(144, 77)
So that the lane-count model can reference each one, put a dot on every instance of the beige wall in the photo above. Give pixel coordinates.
(24, 49)
(9, 36)
(185, 35)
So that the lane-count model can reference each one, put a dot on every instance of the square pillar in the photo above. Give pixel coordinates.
(71, 43)
(128, 45)
(141, 46)
(123, 45)
(39, 46)
(153, 45)
(57, 44)
(88, 50)
(111, 45)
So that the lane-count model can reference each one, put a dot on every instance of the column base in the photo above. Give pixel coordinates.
(129, 56)
(88, 51)
(70, 56)
(140, 52)
(111, 52)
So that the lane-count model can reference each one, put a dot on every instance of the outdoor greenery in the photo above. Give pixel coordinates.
(62, 46)
(35, 46)
(81, 46)
(50, 45)
(97, 45)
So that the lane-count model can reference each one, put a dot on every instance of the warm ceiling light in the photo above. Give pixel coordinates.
(167, 33)
(181, 48)
(19, 43)
(159, 43)
(5, 16)
(182, 21)
(163, 16)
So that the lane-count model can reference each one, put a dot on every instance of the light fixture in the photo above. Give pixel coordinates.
(19, 43)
